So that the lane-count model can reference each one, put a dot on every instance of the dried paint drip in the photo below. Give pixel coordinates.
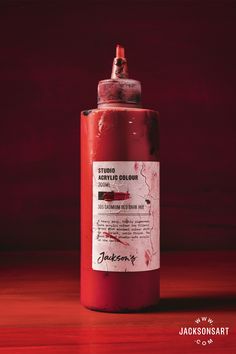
(153, 133)
(148, 257)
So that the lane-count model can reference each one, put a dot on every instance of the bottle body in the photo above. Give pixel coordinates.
(124, 136)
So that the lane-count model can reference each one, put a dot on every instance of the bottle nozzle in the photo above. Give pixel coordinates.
(119, 90)
(119, 68)
(120, 51)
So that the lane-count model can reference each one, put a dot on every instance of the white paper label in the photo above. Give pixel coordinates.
(126, 213)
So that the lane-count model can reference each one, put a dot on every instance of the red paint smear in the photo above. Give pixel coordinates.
(110, 196)
(148, 257)
(107, 234)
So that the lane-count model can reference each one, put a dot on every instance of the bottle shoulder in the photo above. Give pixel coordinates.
(118, 109)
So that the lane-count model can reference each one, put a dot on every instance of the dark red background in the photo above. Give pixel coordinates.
(52, 55)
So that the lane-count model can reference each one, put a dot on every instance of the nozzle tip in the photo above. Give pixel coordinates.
(120, 51)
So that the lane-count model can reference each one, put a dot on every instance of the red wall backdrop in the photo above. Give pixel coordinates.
(52, 53)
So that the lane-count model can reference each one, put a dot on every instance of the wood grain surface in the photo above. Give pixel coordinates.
(40, 310)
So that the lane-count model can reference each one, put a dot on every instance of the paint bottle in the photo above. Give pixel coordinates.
(120, 170)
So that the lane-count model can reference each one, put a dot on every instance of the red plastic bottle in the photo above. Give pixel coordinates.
(120, 201)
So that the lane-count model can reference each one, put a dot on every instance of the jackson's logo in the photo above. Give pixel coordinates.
(116, 258)
(204, 331)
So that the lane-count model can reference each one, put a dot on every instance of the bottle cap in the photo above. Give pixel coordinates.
(119, 90)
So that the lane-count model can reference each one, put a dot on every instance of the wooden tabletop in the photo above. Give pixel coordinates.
(40, 310)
